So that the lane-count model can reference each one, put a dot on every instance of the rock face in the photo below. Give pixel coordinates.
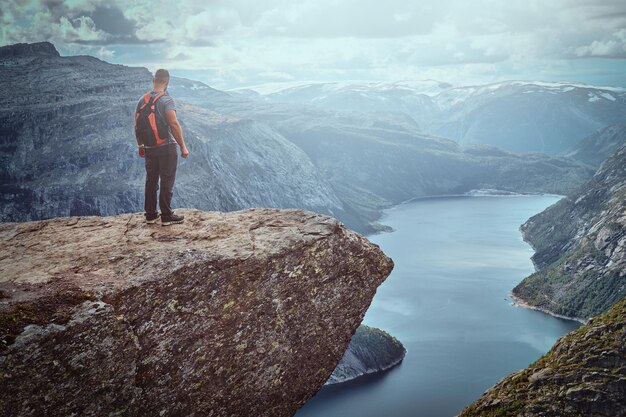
(584, 374)
(597, 147)
(580, 245)
(241, 314)
(371, 350)
(74, 152)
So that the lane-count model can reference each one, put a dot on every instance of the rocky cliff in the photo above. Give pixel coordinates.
(580, 245)
(241, 314)
(584, 374)
(67, 148)
(371, 350)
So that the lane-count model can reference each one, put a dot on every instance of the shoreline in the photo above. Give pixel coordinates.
(519, 302)
(379, 227)
(372, 372)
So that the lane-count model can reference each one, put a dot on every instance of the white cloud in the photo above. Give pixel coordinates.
(612, 48)
(250, 40)
(105, 53)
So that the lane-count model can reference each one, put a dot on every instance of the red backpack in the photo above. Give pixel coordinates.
(150, 126)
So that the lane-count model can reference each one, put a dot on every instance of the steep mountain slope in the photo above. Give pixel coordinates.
(67, 146)
(584, 374)
(580, 245)
(73, 152)
(597, 147)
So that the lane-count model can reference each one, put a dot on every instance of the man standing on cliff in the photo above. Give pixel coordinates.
(158, 132)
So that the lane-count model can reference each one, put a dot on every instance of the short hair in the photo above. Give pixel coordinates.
(161, 75)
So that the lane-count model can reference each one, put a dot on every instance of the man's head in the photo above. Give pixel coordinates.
(161, 79)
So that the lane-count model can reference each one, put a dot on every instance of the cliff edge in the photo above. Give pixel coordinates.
(584, 374)
(242, 313)
(580, 247)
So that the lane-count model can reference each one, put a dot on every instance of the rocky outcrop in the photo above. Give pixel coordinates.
(584, 374)
(371, 350)
(241, 314)
(580, 245)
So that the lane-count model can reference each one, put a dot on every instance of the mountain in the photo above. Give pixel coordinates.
(234, 314)
(413, 98)
(580, 247)
(67, 146)
(74, 152)
(519, 116)
(527, 116)
(374, 160)
(597, 147)
(584, 374)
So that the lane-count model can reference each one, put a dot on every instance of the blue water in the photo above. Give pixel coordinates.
(456, 259)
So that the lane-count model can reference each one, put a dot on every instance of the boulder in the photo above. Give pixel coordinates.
(228, 314)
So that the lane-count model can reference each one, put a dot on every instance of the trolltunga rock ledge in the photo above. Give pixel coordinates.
(229, 314)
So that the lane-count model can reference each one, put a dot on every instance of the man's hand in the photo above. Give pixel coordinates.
(184, 152)
(142, 151)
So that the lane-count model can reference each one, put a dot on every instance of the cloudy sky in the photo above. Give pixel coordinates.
(234, 43)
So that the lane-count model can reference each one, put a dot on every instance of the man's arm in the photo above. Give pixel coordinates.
(177, 132)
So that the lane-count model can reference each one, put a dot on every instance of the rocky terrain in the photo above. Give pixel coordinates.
(67, 148)
(371, 350)
(580, 245)
(240, 314)
(597, 147)
(584, 374)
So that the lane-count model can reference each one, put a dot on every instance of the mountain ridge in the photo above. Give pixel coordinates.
(580, 245)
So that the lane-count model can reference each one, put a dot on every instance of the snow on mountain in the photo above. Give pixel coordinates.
(517, 115)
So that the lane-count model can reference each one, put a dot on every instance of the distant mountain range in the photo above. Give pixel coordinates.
(520, 116)
(67, 148)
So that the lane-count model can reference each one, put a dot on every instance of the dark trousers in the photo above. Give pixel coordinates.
(160, 165)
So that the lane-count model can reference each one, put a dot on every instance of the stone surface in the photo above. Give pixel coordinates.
(580, 247)
(240, 314)
(584, 374)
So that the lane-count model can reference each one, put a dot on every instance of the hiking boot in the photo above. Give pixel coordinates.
(152, 218)
(171, 219)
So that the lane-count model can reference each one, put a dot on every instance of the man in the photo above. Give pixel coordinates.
(158, 132)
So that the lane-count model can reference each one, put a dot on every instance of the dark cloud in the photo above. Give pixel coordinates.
(112, 20)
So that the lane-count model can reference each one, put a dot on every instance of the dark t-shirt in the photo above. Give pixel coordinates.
(166, 102)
